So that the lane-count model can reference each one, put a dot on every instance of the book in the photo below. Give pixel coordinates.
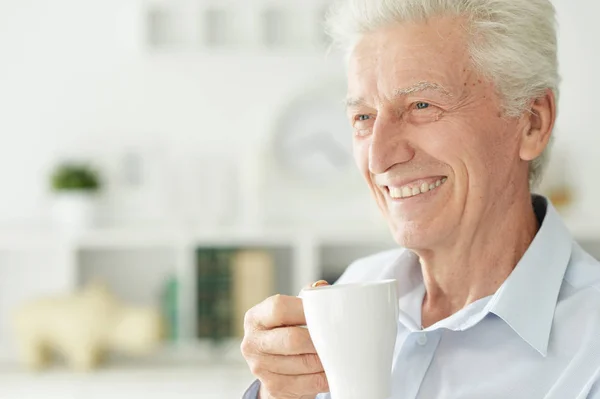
(230, 282)
(253, 275)
(204, 292)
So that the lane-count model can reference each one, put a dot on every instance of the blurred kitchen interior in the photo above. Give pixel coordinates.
(192, 157)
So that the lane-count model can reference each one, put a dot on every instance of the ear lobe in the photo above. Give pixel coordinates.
(542, 117)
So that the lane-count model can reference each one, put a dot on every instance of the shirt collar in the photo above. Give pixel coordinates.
(526, 301)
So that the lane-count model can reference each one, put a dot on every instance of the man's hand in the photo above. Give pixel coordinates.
(280, 353)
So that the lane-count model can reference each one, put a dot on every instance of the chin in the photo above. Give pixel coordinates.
(414, 235)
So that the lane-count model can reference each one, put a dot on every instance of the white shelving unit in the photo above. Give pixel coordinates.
(136, 261)
(224, 25)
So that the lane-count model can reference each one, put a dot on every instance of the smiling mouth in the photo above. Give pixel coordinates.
(415, 189)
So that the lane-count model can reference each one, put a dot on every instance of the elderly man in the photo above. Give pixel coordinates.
(452, 104)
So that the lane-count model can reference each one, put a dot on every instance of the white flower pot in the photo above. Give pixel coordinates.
(74, 211)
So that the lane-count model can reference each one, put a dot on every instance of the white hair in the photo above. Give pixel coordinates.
(512, 42)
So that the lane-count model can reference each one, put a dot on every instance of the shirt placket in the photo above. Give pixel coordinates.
(412, 363)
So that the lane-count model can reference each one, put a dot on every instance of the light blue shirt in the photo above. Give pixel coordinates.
(537, 337)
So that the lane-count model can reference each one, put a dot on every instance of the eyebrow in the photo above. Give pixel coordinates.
(416, 88)
(422, 86)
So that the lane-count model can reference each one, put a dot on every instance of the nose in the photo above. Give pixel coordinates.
(389, 146)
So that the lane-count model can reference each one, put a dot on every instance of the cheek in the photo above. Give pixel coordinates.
(448, 143)
(361, 156)
(474, 151)
(461, 147)
(496, 149)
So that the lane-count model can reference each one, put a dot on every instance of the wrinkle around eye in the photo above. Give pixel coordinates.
(361, 133)
(430, 113)
(425, 117)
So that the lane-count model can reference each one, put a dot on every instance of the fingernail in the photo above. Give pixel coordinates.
(320, 283)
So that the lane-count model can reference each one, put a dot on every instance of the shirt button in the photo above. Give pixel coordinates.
(422, 340)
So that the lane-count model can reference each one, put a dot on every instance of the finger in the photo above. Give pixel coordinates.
(295, 386)
(277, 311)
(285, 341)
(288, 365)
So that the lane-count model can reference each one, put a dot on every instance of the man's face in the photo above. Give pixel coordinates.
(430, 137)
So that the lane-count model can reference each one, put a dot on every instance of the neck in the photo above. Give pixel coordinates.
(476, 264)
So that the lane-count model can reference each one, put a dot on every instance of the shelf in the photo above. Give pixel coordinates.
(23, 239)
(128, 238)
(28, 239)
(174, 372)
(241, 237)
(219, 25)
(190, 354)
(144, 237)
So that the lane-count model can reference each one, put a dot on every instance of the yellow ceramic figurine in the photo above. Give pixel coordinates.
(83, 327)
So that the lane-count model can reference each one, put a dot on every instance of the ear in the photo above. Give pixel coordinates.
(541, 119)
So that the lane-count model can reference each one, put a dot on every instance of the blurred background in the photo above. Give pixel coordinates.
(166, 165)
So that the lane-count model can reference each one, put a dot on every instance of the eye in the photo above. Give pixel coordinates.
(423, 112)
(363, 124)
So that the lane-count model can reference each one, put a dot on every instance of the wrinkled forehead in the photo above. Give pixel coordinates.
(440, 35)
(436, 51)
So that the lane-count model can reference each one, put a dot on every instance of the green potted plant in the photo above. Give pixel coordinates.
(75, 188)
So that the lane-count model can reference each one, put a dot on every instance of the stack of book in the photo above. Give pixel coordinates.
(230, 282)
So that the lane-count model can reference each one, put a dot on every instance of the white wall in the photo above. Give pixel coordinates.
(578, 128)
(71, 77)
(74, 79)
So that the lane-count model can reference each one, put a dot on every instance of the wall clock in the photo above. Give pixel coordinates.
(309, 178)
(312, 140)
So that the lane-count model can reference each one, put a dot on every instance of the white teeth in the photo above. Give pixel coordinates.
(407, 191)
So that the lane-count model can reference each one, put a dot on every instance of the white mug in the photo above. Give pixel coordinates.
(353, 328)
